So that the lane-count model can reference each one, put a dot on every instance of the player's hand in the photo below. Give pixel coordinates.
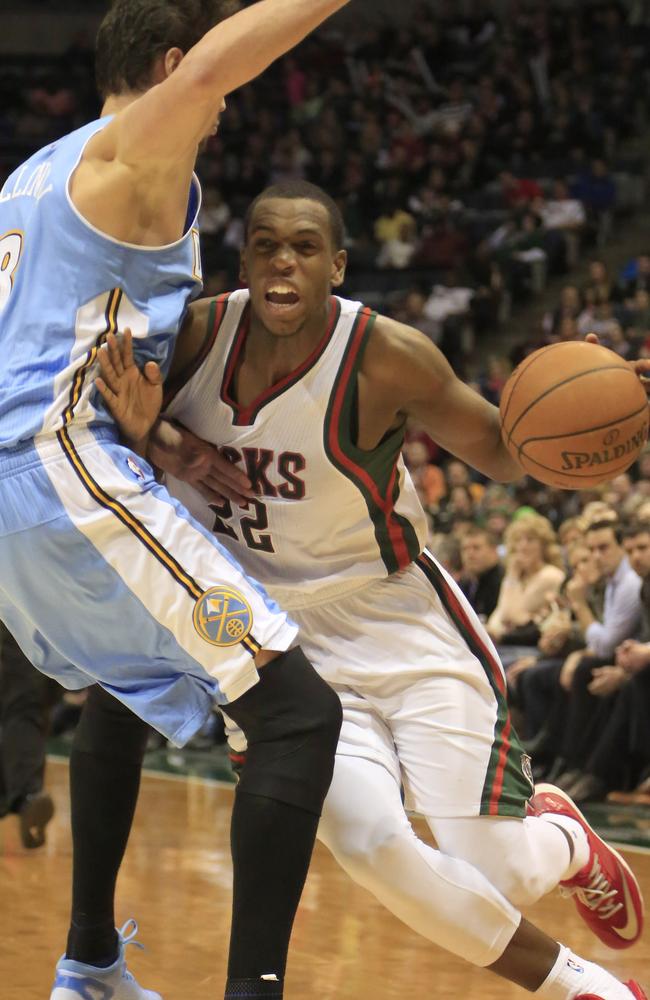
(606, 681)
(640, 367)
(176, 450)
(133, 397)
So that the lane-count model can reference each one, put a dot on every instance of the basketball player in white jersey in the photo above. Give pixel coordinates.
(309, 394)
(105, 579)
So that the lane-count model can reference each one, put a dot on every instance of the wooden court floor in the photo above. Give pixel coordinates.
(175, 882)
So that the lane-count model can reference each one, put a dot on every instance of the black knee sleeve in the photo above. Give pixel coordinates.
(107, 728)
(291, 720)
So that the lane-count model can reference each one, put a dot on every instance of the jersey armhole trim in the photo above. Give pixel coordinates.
(195, 184)
(216, 314)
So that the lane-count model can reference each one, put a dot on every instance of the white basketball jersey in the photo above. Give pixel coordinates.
(329, 517)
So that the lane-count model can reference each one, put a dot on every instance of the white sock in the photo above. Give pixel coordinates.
(581, 849)
(573, 977)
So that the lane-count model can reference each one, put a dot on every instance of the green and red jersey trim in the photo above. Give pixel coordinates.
(375, 472)
(246, 415)
(506, 789)
(216, 316)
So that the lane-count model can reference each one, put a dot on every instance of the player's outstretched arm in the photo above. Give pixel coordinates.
(168, 122)
(415, 381)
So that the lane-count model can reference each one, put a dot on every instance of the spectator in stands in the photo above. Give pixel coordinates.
(398, 252)
(482, 571)
(533, 576)
(518, 192)
(569, 307)
(561, 211)
(533, 678)
(620, 757)
(596, 189)
(427, 478)
(635, 276)
(24, 696)
(620, 621)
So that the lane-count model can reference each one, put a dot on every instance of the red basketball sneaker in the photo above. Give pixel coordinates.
(634, 989)
(605, 891)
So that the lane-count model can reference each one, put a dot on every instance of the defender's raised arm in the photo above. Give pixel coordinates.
(170, 120)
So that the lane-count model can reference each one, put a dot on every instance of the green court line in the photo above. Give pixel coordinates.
(625, 825)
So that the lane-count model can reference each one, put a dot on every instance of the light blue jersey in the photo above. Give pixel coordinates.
(64, 286)
(103, 577)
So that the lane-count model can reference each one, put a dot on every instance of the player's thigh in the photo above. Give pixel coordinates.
(363, 811)
(452, 728)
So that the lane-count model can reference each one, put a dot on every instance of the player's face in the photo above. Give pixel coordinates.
(290, 264)
(637, 550)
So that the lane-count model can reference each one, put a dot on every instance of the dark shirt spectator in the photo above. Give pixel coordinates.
(482, 571)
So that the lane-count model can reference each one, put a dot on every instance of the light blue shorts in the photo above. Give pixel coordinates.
(104, 578)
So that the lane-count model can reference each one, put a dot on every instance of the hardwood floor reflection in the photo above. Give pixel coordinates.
(176, 881)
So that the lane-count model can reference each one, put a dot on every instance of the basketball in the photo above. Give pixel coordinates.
(574, 415)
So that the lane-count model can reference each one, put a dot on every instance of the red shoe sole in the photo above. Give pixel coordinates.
(610, 938)
(634, 989)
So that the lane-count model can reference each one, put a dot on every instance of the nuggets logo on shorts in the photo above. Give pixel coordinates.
(223, 616)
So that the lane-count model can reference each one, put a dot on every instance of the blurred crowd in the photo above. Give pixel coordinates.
(471, 154)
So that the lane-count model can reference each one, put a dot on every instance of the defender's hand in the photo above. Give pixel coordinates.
(133, 397)
(176, 450)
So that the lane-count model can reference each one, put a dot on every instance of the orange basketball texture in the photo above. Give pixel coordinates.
(574, 415)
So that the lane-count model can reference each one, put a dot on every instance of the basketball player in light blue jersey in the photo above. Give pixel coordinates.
(310, 393)
(105, 579)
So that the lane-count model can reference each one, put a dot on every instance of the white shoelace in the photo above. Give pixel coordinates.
(598, 895)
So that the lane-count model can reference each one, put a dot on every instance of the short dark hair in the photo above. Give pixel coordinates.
(477, 531)
(614, 526)
(134, 33)
(293, 190)
(635, 528)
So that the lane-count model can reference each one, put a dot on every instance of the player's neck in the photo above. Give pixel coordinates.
(115, 103)
(273, 356)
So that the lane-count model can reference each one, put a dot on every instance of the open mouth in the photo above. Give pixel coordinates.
(281, 298)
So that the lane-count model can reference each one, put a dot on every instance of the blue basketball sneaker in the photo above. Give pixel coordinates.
(76, 981)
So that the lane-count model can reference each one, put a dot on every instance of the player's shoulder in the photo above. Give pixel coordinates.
(396, 350)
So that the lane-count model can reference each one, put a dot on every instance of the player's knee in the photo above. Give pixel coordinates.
(520, 880)
(108, 728)
(291, 721)
(363, 852)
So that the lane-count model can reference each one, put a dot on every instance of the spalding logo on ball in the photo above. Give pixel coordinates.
(574, 415)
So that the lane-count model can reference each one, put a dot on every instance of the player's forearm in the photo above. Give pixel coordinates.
(492, 458)
(238, 49)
